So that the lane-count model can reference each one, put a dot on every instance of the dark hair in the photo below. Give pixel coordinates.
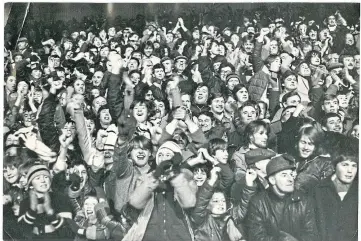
(135, 71)
(140, 142)
(251, 128)
(10, 161)
(327, 116)
(213, 96)
(226, 64)
(216, 144)
(158, 66)
(289, 95)
(149, 104)
(311, 54)
(249, 103)
(236, 89)
(206, 113)
(132, 58)
(328, 97)
(271, 58)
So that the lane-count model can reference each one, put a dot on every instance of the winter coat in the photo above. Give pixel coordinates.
(207, 227)
(336, 219)
(272, 218)
(309, 173)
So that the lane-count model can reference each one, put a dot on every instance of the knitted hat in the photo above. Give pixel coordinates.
(230, 76)
(280, 163)
(35, 171)
(171, 145)
(258, 154)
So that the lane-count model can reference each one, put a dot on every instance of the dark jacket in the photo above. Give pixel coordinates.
(336, 219)
(270, 218)
(207, 227)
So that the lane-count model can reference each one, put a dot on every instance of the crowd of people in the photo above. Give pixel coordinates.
(185, 131)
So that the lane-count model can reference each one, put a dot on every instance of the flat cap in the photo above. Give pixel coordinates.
(280, 163)
(258, 154)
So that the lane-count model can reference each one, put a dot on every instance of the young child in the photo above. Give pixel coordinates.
(210, 217)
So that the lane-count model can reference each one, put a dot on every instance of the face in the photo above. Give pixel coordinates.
(135, 78)
(36, 73)
(355, 131)
(11, 174)
(41, 183)
(263, 111)
(97, 78)
(275, 65)
(248, 46)
(217, 105)
(23, 180)
(79, 87)
(221, 156)
(97, 103)
(89, 205)
(349, 39)
(324, 33)
(167, 66)
(292, 101)
(330, 106)
(186, 101)
(11, 84)
(302, 29)
(18, 58)
(28, 117)
(181, 64)
(331, 21)
(305, 147)
(260, 138)
(140, 156)
(140, 112)
(199, 176)
(343, 100)
(290, 83)
(201, 95)
(273, 47)
(230, 104)
(69, 129)
(357, 61)
(315, 59)
(305, 70)
(218, 204)
(349, 62)
(248, 114)
(283, 181)
(224, 72)
(111, 32)
(132, 65)
(149, 95)
(312, 34)
(169, 37)
(242, 95)
(164, 154)
(24, 87)
(97, 42)
(287, 114)
(159, 74)
(105, 117)
(205, 123)
(160, 109)
(22, 45)
(346, 171)
(95, 93)
(272, 27)
(222, 50)
(148, 50)
(334, 124)
(104, 52)
(80, 170)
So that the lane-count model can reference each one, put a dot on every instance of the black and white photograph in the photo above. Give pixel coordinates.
(189, 121)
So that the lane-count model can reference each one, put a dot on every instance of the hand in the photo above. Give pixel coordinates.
(151, 181)
(31, 95)
(214, 175)
(348, 77)
(65, 140)
(251, 176)
(6, 199)
(264, 31)
(180, 113)
(206, 155)
(101, 138)
(181, 22)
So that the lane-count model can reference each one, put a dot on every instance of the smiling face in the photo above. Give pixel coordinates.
(164, 154)
(28, 118)
(199, 176)
(349, 62)
(11, 174)
(140, 112)
(41, 183)
(148, 50)
(218, 204)
(79, 87)
(201, 95)
(89, 205)
(221, 156)
(334, 124)
(140, 156)
(90, 125)
(346, 171)
(305, 147)
(305, 70)
(217, 105)
(355, 131)
(105, 117)
(205, 122)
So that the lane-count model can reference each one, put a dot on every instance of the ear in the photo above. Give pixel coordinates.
(272, 180)
(323, 108)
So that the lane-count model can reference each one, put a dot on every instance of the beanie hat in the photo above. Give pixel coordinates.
(35, 171)
(232, 76)
(258, 154)
(280, 163)
(171, 145)
(287, 74)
